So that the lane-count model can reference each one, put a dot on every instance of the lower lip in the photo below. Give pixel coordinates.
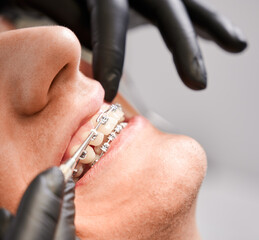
(135, 125)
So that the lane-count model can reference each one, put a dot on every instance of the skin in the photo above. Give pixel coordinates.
(147, 189)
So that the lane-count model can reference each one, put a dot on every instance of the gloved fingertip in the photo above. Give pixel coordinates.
(4, 214)
(241, 43)
(110, 94)
(111, 85)
(240, 46)
(194, 75)
(196, 85)
(200, 84)
(198, 80)
(70, 185)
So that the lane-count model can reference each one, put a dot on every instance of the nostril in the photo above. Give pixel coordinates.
(60, 78)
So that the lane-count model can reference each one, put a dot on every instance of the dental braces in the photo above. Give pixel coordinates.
(101, 120)
(111, 137)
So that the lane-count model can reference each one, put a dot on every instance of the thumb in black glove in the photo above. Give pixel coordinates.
(39, 214)
(66, 228)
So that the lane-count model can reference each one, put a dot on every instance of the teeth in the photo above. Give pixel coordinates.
(96, 140)
(105, 147)
(122, 119)
(103, 119)
(73, 149)
(95, 161)
(109, 126)
(79, 170)
(115, 107)
(118, 129)
(94, 119)
(124, 124)
(83, 155)
(89, 156)
(98, 150)
(118, 114)
(112, 136)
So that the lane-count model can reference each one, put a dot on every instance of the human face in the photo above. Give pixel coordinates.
(146, 185)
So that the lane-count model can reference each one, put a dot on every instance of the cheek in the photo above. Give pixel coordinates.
(29, 145)
(131, 196)
(12, 183)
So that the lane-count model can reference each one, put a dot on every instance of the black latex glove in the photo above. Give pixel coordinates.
(101, 25)
(46, 210)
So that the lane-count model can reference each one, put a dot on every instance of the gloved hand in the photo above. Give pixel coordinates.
(101, 25)
(46, 210)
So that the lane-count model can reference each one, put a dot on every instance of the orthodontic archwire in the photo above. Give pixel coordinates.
(69, 167)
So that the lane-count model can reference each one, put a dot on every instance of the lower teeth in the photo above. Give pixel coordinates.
(105, 146)
(111, 137)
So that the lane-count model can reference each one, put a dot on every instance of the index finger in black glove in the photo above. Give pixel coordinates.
(216, 26)
(39, 210)
(171, 18)
(66, 228)
(108, 26)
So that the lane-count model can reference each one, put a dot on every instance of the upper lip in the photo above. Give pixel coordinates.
(78, 122)
(75, 128)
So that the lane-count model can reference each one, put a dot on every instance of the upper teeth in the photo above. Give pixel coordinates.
(108, 126)
(96, 140)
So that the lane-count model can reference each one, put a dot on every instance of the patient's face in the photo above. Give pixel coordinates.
(144, 188)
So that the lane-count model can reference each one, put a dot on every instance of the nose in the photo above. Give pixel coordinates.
(33, 60)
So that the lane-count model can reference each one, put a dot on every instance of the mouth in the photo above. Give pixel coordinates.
(107, 124)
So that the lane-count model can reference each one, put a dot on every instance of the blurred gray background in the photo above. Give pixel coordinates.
(223, 118)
